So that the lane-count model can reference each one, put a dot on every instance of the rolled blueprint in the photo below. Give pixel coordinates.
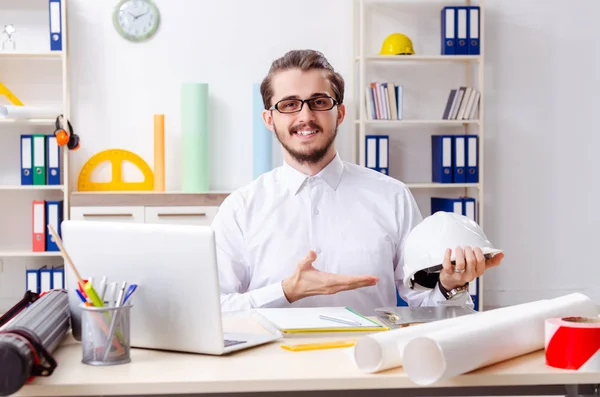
(29, 112)
(382, 351)
(487, 338)
(261, 136)
(194, 133)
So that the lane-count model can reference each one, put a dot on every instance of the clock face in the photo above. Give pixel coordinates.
(136, 20)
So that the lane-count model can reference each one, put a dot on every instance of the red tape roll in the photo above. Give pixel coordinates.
(573, 343)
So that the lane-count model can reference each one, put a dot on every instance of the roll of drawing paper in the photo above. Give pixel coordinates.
(379, 352)
(159, 152)
(262, 137)
(487, 338)
(29, 112)
(194, 131)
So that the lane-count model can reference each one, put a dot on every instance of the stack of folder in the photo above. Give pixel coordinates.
(310, 320)
(40, 160)
(44, 213)
(462, 104)
(460, 27)
(44, 279)
(384, 101)
(455, 158)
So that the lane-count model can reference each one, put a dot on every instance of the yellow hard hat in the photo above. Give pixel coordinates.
(397, 44)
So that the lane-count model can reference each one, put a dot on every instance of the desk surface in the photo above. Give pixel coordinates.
(265, 368)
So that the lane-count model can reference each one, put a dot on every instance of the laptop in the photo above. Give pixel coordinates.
(176, 306)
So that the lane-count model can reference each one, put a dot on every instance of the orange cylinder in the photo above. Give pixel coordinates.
(159, 152)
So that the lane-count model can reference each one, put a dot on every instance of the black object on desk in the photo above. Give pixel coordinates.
(29, 332)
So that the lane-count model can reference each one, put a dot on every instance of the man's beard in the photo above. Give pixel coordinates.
(316, 154)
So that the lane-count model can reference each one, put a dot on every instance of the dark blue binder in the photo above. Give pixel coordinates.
(469, 208)
(459, 157)
(473, 29)
(55, 24)
(462, 45)
(54, 217)
(448, 30)
(447, 204)
(52, 160)
(472, 150)
(441, 158)
(26, 160)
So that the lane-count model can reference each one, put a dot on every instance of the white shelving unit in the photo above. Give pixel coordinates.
(38, 77)
(424, 14)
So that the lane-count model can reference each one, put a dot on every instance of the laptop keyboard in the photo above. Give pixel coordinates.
(233, 342)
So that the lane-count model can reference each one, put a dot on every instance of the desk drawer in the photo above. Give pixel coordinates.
(183, 215)
(112, 214)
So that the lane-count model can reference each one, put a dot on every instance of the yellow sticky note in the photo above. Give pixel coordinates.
(318, 346)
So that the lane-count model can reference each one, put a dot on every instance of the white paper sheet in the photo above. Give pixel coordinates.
(29, 112)
(487, 338)
(382, 351)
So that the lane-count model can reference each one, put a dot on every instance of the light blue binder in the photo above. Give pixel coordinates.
(262, 138)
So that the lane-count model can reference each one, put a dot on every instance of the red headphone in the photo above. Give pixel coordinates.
(65, 136)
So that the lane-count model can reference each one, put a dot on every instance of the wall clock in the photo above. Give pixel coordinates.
(136, 20)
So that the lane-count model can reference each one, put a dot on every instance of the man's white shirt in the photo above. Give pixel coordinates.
(354, 218)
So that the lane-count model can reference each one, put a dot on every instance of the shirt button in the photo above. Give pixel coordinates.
(316, 212)
(318, 250)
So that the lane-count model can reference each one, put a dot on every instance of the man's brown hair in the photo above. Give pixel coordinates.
(304, 60)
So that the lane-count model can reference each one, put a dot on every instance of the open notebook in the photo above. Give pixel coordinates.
(308, 319)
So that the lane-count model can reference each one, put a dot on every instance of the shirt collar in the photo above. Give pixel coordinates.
(331, 174)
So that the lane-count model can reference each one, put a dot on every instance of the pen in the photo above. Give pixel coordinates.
(130, 292)
(102, 287)
(338, 319)
(113, 323)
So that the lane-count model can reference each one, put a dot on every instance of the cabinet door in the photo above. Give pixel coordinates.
(185, 215)
(112, 214)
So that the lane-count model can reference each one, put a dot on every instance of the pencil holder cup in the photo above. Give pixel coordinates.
(105, 335)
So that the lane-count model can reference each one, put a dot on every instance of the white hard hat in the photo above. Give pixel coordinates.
(427, 242)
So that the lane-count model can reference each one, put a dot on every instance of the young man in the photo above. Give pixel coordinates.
(319, 231)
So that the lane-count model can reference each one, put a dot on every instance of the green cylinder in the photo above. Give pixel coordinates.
(194, 132)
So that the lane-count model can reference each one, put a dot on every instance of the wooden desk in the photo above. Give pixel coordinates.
(269, 368)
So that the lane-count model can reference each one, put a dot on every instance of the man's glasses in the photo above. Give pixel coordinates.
(319, 104)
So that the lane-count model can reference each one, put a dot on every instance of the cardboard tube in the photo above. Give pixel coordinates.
(194, 131)
(159, 152)
(262, 136)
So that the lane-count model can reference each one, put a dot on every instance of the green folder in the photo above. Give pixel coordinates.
(38, 154)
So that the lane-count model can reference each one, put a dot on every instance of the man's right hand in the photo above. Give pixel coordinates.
(308, 281)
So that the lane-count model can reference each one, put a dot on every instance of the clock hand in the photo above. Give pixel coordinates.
(137, 16)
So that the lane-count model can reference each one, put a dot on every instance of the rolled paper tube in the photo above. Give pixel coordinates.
(194, 131)
(262, 136)
(159, 152)
(29, 112)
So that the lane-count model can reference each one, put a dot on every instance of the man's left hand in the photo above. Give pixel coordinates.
(469, 264)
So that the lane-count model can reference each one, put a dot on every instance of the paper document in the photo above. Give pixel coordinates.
(318, 319)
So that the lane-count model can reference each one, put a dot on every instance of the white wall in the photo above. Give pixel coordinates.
(541, 84)
(543, 79)
(117, 86)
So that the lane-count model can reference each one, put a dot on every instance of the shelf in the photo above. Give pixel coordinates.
(27, 121)
(421, 58)
(32, 54)
(32, 187)
(26, 254)
(433, 185)
(392, 123)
